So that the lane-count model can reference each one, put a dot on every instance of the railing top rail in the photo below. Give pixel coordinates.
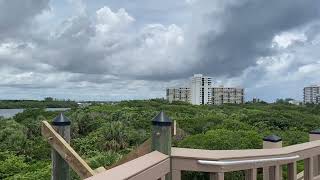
(133, 168)
(243, 154)
(239, 162)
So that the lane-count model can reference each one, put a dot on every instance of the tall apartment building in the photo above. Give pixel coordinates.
(179, 94)
(201, 92)
(201, 89)
(227, 95)
(311, 94)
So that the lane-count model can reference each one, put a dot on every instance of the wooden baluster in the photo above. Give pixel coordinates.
(251, 174)
(217, 176)
(273, 172)
(292, 171)
(176, 175)
(308, 169)
(315, 136)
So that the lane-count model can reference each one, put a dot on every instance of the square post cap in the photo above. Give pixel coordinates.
(272, 138)
(61, 120)
(161, 120)
(316, 131)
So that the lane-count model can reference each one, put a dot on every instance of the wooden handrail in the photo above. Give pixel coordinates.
(187, 159)
(151, 166)
(298, 149)
(240, 162)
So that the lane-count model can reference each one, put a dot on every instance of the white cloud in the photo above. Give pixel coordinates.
(286, 39)
(191, 1)
(109, 21)
(109, 53)
(79, 6)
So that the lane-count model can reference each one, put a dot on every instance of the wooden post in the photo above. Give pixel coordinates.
(273, 172)
(60, 168)
(292, 171)
(308, 169)
(217, 176)
(251, 174)
(161, 136)
(315, 136)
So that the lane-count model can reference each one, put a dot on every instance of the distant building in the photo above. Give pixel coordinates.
(179, 94)
(84, 104)
(202, 92)
(201, 89)
(256, 100)
(227, 95)
(311, 94)
(294, 102)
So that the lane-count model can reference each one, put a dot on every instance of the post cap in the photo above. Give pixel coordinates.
(61, 120)
(161, 120)
(272, 138)
(316, 131)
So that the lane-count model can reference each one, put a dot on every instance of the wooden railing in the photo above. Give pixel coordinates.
(219, 162)
(166, 162)
(154, 165)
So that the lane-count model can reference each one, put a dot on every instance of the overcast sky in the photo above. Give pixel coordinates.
(134, 49)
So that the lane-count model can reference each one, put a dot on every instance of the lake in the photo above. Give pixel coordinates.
(8, 113)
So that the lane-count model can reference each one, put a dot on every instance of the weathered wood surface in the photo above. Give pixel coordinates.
(305, 150)
(151, 166)
(66, 151)
(187, 159)
(292, 171)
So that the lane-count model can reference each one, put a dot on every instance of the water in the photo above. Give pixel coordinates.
(8, 113)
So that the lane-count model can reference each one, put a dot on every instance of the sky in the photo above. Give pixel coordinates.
(123, 49)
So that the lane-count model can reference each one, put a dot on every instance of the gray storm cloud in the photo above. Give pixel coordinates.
(247, 30)
(16, 16)
(149, 44)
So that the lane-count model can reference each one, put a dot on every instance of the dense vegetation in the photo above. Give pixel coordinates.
(47, 103)
(102, 134)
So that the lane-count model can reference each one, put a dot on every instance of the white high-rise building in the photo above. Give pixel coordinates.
(201, 92)
(201, 89)
(311, 94)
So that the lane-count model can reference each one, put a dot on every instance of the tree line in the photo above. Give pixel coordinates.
(103, 134)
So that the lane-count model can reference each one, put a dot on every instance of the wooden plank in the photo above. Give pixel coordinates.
(154, 172)
(217, 176)
(292, 171)
(308, 169)
(176, 175)
(136, 167)
(266, 174)
(251, 174)
(316, 165)
(316, 178)
(275, 173)
(66, 151)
